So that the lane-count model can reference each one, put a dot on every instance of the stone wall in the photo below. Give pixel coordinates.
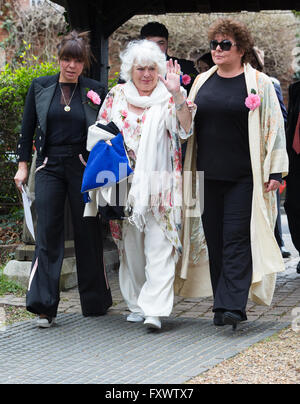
(3, 35)
(23, 4)
(2, 58)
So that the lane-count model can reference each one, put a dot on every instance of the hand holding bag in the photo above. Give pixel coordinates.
(106, 167)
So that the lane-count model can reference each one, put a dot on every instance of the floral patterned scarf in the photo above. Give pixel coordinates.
(152, 157)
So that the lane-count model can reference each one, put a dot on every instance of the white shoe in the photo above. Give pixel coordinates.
(153, 322)
(135, 318)
(45, 322)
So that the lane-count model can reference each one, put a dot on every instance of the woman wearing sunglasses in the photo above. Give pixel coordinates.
(239, 144)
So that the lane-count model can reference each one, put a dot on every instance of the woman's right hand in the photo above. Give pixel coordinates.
(172, 80)
(21, 175)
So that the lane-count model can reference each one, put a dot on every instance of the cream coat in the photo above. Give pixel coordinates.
(268, 155)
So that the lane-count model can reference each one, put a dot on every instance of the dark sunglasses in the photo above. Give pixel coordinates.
(225, 45)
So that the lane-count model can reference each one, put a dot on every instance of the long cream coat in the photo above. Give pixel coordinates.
(268, 155)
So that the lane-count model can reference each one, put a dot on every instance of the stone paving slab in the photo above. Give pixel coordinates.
(286, 297)
(109, 350)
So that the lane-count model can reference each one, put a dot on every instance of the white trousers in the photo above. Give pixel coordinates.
(147, 270)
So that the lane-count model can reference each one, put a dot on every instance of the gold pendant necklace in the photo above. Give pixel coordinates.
(67, 107)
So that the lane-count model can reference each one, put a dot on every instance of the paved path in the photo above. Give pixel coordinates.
(110, 350)
(286, 297)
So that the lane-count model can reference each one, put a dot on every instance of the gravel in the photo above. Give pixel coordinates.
(275, 360)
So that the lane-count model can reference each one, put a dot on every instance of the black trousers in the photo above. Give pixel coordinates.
(61, 177)
(278, 227)
(292, 199)
(226, 221)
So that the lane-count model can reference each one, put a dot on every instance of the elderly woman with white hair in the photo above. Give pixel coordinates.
(152, 113)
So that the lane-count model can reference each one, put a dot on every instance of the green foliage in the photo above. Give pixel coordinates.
(113, 81)
(11, 227)
(14, 84)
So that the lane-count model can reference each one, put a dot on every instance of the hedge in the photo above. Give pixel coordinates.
(14, 85)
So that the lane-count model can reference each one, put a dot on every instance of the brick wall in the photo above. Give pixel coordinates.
(3, 33)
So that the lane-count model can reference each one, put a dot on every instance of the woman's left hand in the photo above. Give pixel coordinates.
(272, 185)
(172, 80)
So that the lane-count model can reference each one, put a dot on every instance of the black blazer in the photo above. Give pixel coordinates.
(36, 108)
(293, 112)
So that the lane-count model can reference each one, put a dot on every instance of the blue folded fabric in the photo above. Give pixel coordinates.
(106, 165)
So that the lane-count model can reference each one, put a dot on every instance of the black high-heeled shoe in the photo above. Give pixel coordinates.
(298, 268)
(218, 319)
(232, 318)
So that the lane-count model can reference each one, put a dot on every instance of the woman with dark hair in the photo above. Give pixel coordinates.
(239, 144)
(204, 62)
(59, 109)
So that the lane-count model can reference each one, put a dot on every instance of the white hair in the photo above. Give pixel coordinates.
(143, 53)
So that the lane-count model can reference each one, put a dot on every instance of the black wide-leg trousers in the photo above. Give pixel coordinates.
(226, 221)
(62, 177)
(292, 198)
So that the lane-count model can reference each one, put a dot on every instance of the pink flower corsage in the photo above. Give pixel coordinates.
(253, 100)
(186, 79)
(124, 114)
(93, 98)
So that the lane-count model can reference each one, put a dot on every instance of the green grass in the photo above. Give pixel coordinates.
(8, 286)
(16, 314)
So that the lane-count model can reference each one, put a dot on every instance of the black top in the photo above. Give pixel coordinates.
(293, 112)
(66, 127)
(39, 97)
(222, 129)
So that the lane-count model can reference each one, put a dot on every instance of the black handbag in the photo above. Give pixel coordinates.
(115, 212)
